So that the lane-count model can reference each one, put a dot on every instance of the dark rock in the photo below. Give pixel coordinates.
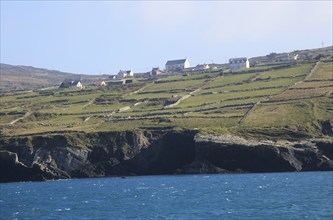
(12, 170)
(327, 128)
(234, 153)
(171, 151)
(201, 167)
(154, 152)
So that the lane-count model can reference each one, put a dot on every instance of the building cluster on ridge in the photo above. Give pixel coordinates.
(173, 67)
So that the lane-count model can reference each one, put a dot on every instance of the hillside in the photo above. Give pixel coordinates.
(272, 118)
(265, 119)
(303, 55)
(27, 77)
(282, 101)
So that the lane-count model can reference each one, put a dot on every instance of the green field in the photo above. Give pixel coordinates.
(249, 101)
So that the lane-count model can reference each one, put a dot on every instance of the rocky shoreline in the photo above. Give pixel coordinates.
(143, 152)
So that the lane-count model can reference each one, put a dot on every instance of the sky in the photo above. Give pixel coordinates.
(102, 37)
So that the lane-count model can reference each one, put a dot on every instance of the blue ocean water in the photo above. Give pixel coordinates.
(307, 195)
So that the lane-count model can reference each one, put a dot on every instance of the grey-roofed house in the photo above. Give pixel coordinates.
(202, 67)
(125, 73)
(68, 83)
(173, 65)
(239, 63)
(157, 71)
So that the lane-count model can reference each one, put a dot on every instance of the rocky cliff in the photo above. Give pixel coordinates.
(234, 154)
(78, 155)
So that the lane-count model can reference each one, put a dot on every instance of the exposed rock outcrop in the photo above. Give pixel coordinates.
(13, 170)
(236, 154)
(77, 155)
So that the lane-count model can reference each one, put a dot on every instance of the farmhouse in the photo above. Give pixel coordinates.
(172, 65)
(101, 83)
(157, 71)
(71, 84)
(202, 67)
(124, 74)
(238, 63)
(287, 57)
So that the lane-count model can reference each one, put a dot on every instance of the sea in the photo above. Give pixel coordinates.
(297, 195)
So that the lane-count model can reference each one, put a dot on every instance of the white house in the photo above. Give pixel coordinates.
(172, 65)
(239, 63)
(202, 67)
(288, 57)
(156, 71)
(76, 84)
(100, 83)
(126, 73)
(71, 84)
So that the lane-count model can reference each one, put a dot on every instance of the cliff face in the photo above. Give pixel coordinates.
(234, 154)
(77, 155)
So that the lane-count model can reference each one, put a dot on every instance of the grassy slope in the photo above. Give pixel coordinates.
(217, 104)
(301, 107)
(26, 77)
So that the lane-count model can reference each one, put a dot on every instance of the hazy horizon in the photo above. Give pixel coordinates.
(102, 37)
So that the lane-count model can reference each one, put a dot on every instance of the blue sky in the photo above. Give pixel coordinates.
(105, 36)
